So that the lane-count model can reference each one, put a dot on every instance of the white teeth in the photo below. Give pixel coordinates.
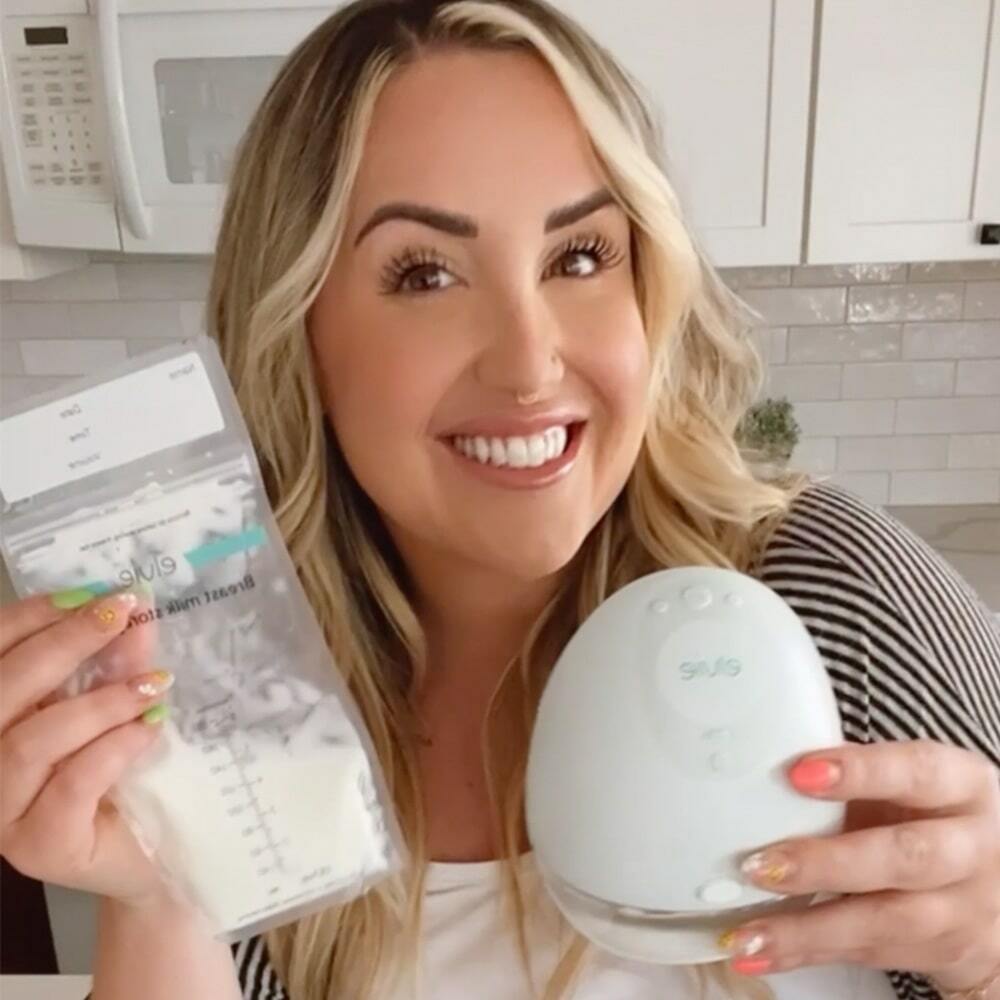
(516, 452)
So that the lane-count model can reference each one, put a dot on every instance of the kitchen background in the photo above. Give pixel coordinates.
(860, 136)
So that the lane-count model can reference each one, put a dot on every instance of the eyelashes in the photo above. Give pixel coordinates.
(427, 264)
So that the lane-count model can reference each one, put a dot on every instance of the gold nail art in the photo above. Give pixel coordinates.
(769, 866)
(743, 942)
(152, 684)
(109, 613)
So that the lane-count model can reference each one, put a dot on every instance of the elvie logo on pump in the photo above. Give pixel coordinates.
(724, 666)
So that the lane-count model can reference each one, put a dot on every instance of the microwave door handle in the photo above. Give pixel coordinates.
(122, 154)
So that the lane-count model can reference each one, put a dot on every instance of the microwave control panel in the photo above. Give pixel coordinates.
(57, 111)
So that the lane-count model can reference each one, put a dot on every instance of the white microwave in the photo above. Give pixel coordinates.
(120, 118)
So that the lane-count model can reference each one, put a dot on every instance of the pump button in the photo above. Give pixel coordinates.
(720, 890)
(697, 597)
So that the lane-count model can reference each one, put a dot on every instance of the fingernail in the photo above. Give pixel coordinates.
(744, 941)
(155, 714)
(751, 966)
(152, 684)
(815, 775)
(109, 614)
(768, 868)
(66, 600)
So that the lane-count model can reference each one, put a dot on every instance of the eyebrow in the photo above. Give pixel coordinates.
(461, 225)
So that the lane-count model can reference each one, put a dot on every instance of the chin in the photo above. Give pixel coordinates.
(531, 559)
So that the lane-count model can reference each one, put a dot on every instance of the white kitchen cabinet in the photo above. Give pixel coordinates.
(730, 80)
(18, 263)
(906, 161)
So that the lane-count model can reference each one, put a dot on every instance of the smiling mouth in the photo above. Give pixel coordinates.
(530, 451)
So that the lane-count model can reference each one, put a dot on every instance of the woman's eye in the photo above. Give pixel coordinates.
(416, 271)
(426, 278)
(584, 258)
(581, 263)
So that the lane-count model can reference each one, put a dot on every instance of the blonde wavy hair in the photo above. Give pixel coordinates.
(690, 498)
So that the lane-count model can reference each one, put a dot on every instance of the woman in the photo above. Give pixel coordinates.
(491, 380)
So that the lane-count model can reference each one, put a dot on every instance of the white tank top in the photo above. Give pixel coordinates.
(469, 952)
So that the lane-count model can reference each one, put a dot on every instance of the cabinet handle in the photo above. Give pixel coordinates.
(989, 234)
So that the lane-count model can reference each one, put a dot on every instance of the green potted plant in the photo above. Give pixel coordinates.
(767, 435)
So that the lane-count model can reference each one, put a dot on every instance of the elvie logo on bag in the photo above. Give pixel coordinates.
(156, 566)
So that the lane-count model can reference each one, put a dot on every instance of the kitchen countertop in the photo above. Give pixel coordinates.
(967, 536)
(44, 987)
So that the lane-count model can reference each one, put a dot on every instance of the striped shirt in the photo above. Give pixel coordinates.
(909, 648)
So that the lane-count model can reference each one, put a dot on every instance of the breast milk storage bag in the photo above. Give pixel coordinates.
(262, 800)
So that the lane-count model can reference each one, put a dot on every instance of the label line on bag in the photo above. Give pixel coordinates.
(97, 429)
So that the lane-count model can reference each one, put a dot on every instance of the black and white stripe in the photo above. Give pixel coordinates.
(911, 651)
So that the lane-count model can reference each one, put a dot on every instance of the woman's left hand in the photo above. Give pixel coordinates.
(919, 856)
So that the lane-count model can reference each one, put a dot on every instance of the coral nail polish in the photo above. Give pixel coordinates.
(751, 966)
(815, 775)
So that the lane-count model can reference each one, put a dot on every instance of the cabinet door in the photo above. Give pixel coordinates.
(907, 143)
(730, 82)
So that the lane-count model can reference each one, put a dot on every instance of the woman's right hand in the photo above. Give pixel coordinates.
(59, 758)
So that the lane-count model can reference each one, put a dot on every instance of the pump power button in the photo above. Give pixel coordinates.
(720, 890)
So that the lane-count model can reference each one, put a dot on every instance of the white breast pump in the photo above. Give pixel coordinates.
(658, 761)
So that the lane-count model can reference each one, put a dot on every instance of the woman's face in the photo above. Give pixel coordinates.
(479, 263)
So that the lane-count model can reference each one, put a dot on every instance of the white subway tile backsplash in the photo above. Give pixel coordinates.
(982, 300)
(865, 454)
(136, 347)
(16, 388)
(801, 382)
(158, 280)
(192, 318)
(800, 306)
(970, 415)
(93, 282)
(952, 340)
(955, 270)
(848, 274)
(978, 378)
(815, 455)
(844, 343)
(974, 451)
(127, 320)
(898, 379)
(856, 417)
(893, 303)
(870, 486)
(756, 277)
(34, 319)
(71, 357)
(771, 343)
(945, 486)
(10, 358)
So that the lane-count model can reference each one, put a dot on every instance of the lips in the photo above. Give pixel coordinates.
(515, 463)
(507, 425)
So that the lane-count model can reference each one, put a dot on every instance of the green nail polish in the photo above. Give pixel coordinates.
(155, 714)
(66, 600)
